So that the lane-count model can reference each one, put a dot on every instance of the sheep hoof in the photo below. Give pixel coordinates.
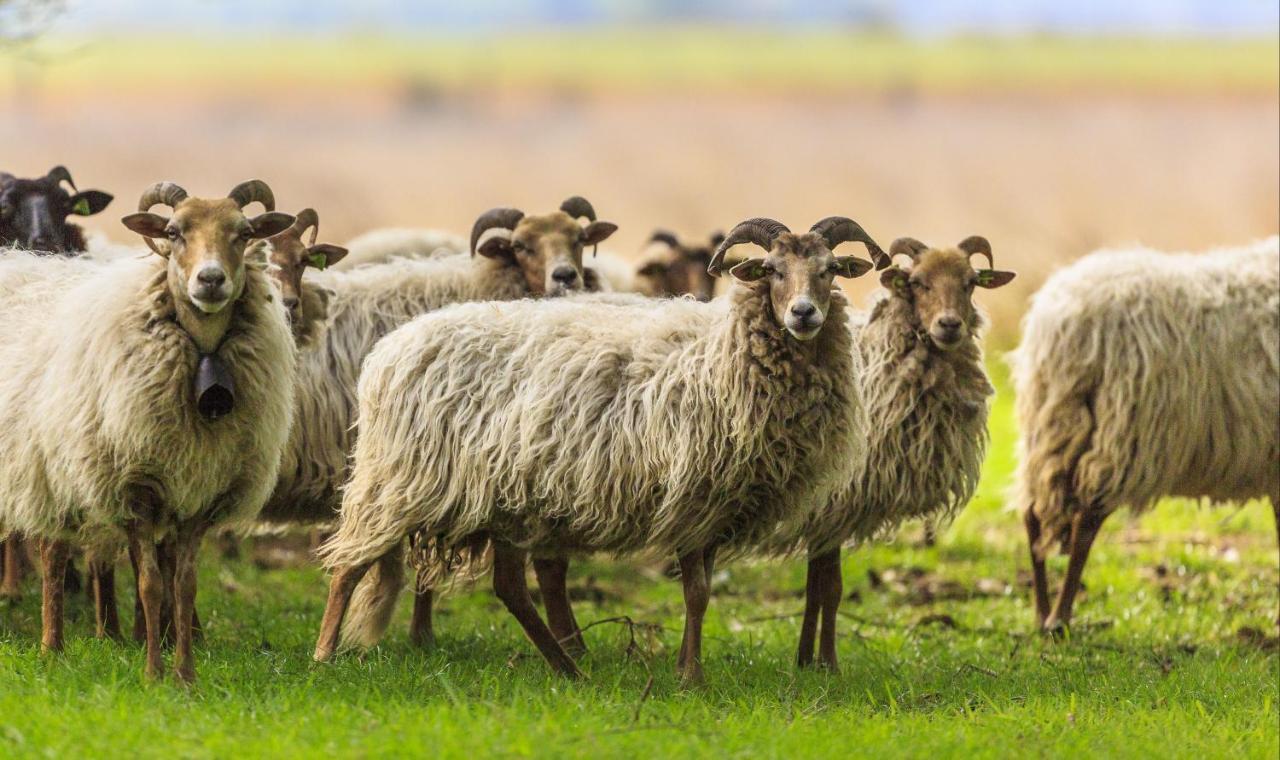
(1055, 629)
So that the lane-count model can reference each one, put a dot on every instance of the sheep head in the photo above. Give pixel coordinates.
(547, 248)
(799, 270)
(681, 269)
(938, 285)
(290, 258)
(33, 212)
(205, 240)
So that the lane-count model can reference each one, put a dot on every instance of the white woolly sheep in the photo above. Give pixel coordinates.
(1142, 375)
(150, 397)
(609, 423)
(926, 393)
(383, 245)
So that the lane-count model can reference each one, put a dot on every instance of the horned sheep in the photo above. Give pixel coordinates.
(161, 414)
(683, 428)
(1142, 375)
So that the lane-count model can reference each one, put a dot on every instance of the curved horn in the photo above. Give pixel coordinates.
(841, 229)
(664, 237)
(576, 206)
(59, 174)
(906, 246)
(504, 218)
(166, 193)
(305, 218)
(253, 190)
(976, 244)
(761, 231)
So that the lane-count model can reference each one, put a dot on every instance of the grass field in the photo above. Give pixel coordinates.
(937, 660)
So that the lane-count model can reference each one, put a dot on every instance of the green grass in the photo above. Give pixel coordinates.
(663, 59)
(1156, 666)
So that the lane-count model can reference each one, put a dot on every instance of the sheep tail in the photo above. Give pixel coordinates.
(374, 601)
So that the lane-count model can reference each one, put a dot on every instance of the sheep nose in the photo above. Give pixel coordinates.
(564, 275)
(804, 309)
(949, 323)
(212, 276)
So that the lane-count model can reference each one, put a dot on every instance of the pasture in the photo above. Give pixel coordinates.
(1050, 150)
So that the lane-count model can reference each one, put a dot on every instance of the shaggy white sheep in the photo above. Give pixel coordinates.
(682, 427)
(1142, 375)
(149, 397)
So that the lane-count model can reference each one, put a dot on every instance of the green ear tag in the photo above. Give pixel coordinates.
(985, 277)
(318, 260)
(901, 282)
(81, 208)
(757, 272)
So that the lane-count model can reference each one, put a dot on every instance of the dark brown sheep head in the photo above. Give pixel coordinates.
(799, 270)
(547, 249)
(289, 258)
(34, 212)
(681, 269)
(939, 285)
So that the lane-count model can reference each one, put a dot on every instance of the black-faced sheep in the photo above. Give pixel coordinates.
(145, 397)
(33, 212)
(1142, 375)
(608, 423)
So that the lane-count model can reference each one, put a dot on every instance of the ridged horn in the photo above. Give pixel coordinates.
(59, 174)
(253, 190)
(976, 244)
(577, 207)
(909, 247)
(165, 193)
(494, 218)
(841, 229)
(762, 231)
(305, 218)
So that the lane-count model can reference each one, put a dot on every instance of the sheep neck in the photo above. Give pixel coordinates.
(206, 330)
(899, 351)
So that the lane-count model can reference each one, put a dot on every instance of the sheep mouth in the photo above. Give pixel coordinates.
(946, 340)
(210, 303)
(804, 329)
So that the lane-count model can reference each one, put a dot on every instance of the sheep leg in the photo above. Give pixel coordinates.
(1084, 529)
(11, 586)
(831, 589)
(1275, 506)
(812, 608)
(510, 586)
(139, 617)
(186, 549)
(553, 583)
(102, 577)
(1039, 576)
(150, 592)
(53, 564)
(165, 555)
(421, 630)
(693, 576)
(341, 587)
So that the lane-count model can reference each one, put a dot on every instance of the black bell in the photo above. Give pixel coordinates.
(215, 391)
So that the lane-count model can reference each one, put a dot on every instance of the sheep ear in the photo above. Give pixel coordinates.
(895, 279)
(90, 202)
(993, 278)
(652, 269)
(852, 266)
(324, 255)
(146, 224)
(597, 232)
(270, 223)
(749, 270)
(495, 247)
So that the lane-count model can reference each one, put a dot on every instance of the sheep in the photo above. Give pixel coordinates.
(926, 392)
(33, 212)
(384, 245)
(680, 268)
(148, 399)
(1141, 375)
(606, 423)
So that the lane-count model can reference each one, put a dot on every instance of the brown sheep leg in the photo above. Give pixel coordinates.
(553, 583)
(693, 576)
(166, 552)
(832, 588)
(53, 564)
(150, 591)
(1275, 506)
(11, 585)
(139, 618)
(1084, 529)
(102, 578)
(510, 586)
(421, 629)
(186, 548)
(1039, 576)
(341, 587)
(812, 610)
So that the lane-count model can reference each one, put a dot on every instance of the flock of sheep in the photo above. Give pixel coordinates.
(449, 406)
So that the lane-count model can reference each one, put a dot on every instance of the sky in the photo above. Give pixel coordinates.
(915, 17)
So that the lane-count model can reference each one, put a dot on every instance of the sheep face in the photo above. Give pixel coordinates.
(33, 212)
(548, 250)
(939, 287)
(683, 271)
(797, 275)
(206, 247)
(289, 257)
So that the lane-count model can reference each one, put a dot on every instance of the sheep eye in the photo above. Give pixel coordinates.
(920, 286)
(173, 233)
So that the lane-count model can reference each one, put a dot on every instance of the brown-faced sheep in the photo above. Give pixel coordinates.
(679, 268)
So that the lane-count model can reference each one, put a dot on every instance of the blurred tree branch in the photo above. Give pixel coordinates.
(23, 22)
